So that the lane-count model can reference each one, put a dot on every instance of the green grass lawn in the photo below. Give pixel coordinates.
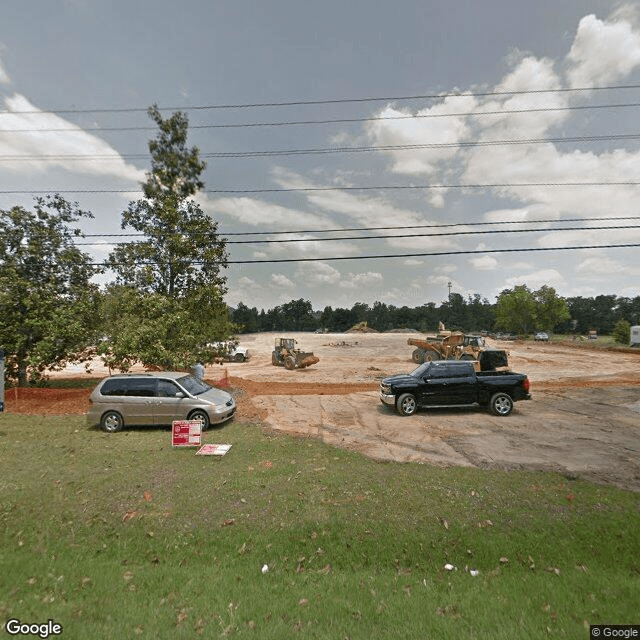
(122, 536)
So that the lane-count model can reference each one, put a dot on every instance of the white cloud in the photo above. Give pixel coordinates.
(396, 127)
(4, 76)
(537, 279)
(256, 212)
(359, 280)
(37, 140)
(309, 245)
(603, 52)
(484, 263)
(599, 266)
(317, 273)
(281, 281)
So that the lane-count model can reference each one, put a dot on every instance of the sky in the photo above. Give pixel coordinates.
(477, 142)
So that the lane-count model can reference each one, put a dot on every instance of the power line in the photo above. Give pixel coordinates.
(331, 150)
(332, 121)
(489, 185)
(396, 255)
(405, 235)
(395, 227)
(433, 96)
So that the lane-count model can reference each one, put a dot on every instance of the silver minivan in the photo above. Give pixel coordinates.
(156, 398)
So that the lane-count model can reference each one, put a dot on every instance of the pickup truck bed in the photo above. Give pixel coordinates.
(454, 383)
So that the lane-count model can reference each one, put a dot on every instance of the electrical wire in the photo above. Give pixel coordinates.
(331, 150)
(395, 227)
(404, 235)
(394, 255)
(433, 96)
(494, 185)
(332, 121)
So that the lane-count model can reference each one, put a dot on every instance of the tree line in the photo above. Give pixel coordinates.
(165, 307)
(517, 310)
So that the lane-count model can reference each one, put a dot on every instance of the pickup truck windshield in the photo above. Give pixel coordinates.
(421, 370)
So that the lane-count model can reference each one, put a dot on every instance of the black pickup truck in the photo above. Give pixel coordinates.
(444, 383)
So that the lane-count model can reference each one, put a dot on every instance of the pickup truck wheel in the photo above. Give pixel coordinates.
(239, 357)
(501, 404)
(406, 404)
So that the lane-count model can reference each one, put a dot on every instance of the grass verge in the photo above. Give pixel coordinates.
(122, 536)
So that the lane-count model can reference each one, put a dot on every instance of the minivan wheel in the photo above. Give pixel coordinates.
(111, 422)
(202, 416)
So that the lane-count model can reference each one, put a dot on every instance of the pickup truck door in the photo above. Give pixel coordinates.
(445, 385)
(434, 387)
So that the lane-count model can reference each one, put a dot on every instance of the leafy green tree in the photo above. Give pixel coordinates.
(157, 331)
(297, 315)
(622, 331)
(174, 277)
(248, 320)
(47, 303)
(516, 309)
(551, 309)
(182, 250)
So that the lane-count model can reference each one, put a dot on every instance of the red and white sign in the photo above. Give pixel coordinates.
(213, 450)
(186, 433)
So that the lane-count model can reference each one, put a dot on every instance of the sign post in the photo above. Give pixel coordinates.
(1, 380)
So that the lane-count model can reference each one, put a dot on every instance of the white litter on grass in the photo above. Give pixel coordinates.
(265, 568)
(474, 572)
(449, 567)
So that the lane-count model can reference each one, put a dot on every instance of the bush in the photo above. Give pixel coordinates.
(622, 331)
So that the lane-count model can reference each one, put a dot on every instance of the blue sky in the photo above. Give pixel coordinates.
(76, 77)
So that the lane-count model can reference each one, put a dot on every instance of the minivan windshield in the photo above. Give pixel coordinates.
(192, 385)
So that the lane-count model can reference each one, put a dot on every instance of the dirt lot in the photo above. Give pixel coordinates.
(583, 420)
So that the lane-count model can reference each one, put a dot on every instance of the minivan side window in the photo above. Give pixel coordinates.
(142, 387)
(115, 387)
(167, 389)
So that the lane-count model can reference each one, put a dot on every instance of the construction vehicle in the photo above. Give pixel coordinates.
(458, 346)
(286, 355)
(447, 345)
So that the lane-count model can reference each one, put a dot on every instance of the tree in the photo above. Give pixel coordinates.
(156, 330)
(551, 309)
(182, 250)
(47, 303)
(176, 268)
(297, 315)
(516, 310)
(622, 331)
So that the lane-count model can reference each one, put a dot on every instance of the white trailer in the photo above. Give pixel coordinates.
(635, 336)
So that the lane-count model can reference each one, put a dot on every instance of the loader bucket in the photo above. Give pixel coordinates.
(307, 359)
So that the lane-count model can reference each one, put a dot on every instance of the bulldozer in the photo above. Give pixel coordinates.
(286, 355)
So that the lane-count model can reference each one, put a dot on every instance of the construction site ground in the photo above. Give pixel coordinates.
(583, 419)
